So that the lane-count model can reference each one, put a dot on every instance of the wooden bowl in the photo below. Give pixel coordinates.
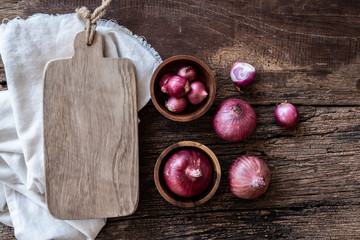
(172, 197)
(172, 65)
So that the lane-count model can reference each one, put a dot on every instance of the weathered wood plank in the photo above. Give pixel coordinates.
(274, 85)
(342, 222)
(296, 52)
(319, 164)
(11, 9)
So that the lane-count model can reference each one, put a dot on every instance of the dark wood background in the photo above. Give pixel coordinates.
(305, 52)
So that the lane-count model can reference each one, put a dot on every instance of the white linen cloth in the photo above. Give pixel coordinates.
(26, 46)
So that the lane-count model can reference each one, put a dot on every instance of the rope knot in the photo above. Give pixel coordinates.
(83, 12)
(91, 19)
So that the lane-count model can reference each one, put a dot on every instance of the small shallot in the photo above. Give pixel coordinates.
(188, 72)
(287, 116)
(177, 86)
(176, 105)
(249, 177)
(242, 74)
(164, 80)
(234, 120)
(187, 173)
(197, 92)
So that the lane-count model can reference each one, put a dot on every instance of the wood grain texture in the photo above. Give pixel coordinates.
(318, 222)
(90, 134)
(318, 166)
(306, 52)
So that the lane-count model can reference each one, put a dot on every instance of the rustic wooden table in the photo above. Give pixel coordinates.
(305, 52)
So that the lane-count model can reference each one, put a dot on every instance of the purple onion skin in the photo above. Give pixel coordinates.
(197, 92)
(163, 82)
(188, 72)
(287, 116)
(187, 173)
(176, 105)
(177, 86)
(234, 120)
(242, 73)
(249, 177)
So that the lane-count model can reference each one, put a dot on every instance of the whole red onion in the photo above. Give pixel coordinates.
(242, 74)
(287, 116)
(164, 80)
(177, 86)
(234, 120)
(249, 177)
(187, 173)
(197, 92)
(176, 105)
(188, 72)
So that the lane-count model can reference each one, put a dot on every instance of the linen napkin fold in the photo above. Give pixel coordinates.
(26, 46)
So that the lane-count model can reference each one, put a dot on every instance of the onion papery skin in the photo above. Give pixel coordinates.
(177, 86)
(249, 177)
(176, 105)
(187, 173)
(242, 73)
(197, 93)
(163, 82)
(234, 120)
(188, 72)
(287, 116)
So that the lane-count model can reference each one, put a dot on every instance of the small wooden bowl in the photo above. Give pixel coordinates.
(175, 199)
(172, 65)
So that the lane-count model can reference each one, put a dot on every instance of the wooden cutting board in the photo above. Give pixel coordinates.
(90, 134)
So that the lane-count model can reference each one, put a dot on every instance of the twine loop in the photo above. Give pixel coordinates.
(92, 18)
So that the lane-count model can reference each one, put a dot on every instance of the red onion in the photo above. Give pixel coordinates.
(176, 105)
(197, 92)
(287, 116)
(234, 120)
(242, 74)
(177, 86)
(187, 173)
(188, 72)
(249, 177)
(164, 80)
